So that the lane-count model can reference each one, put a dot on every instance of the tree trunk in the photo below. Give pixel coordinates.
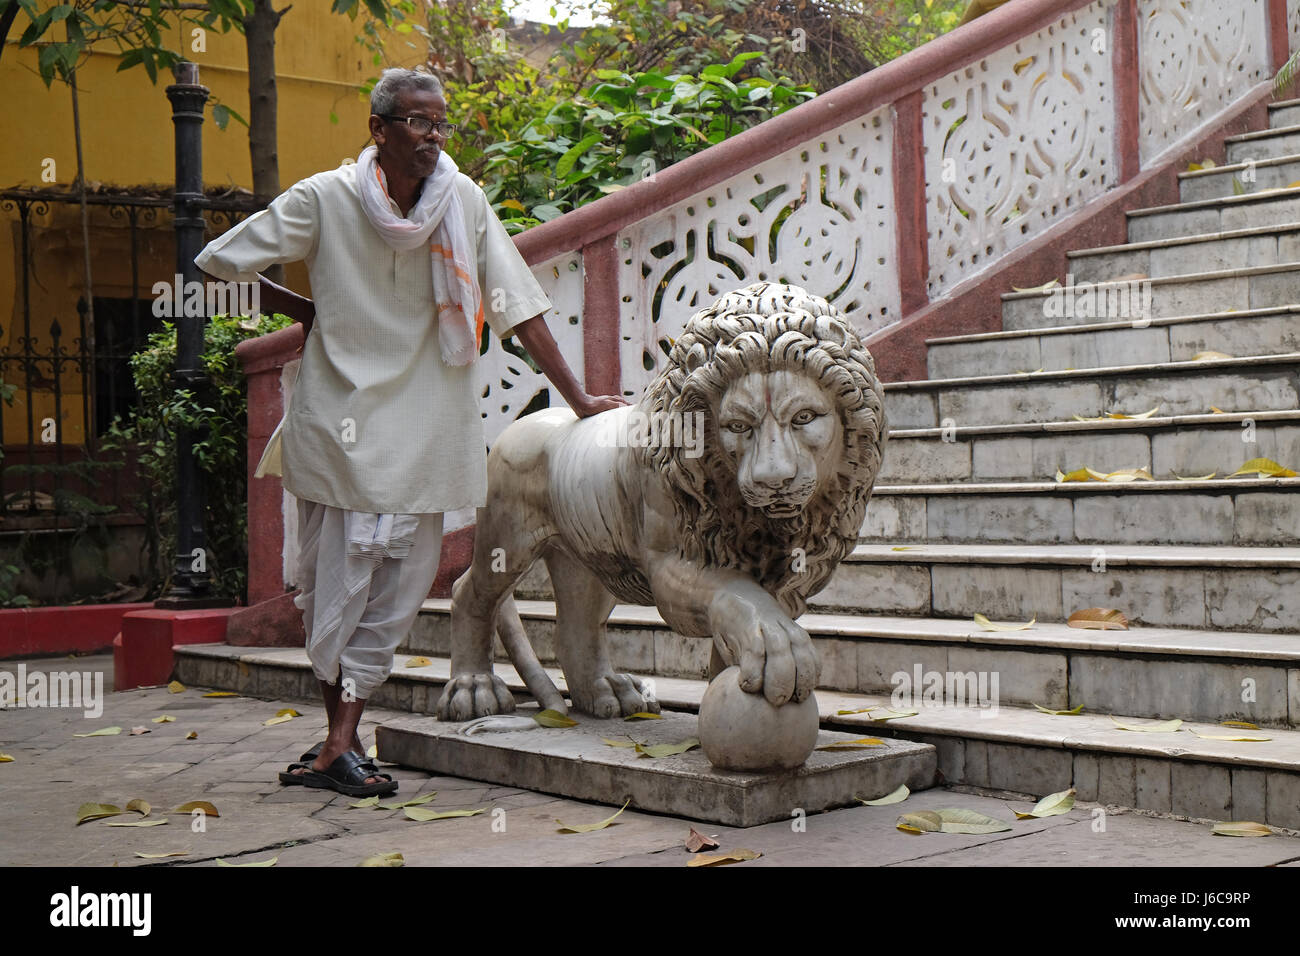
(259, 35)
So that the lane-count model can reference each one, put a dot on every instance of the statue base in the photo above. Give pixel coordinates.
(576, 762)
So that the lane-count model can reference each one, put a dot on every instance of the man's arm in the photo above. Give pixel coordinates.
(534, 335)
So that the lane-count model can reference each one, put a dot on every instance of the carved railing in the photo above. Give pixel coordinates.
(892, 190)
(892, 195)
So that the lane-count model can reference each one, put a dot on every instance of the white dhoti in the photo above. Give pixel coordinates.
(363, 578)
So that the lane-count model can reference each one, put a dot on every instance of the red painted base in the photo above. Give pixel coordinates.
(142, 652)
(84, 628)
(273, 623)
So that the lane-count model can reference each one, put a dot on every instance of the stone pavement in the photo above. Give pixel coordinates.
(234, 760)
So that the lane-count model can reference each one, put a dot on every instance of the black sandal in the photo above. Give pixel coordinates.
(289, 778)
(347, 775)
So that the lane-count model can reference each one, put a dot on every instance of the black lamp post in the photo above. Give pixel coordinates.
(191, 583)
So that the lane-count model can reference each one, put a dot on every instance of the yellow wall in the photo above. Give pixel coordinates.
(127, 141)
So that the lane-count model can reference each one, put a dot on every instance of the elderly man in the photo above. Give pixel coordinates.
(383, 433)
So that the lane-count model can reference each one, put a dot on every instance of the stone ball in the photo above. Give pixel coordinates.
(740, 731)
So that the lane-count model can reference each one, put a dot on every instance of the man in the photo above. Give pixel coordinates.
(383, 433)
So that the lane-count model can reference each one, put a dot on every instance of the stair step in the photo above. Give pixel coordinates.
(1273, 330)
(1235, 249)
(1279, 172)
(1284, 113)
(1168, 446)
(1256, 287)
(1213, 587)
(1015, 749)
(1178, 220)
(1263, 144)
(1242, 512)
(1252, 383)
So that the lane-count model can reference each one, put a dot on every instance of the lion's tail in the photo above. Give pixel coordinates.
(510, 628)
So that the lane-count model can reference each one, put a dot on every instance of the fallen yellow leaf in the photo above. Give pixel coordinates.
(193, 805)
(1045, 287)
(270, 862)
(667, 750)
(1051, 805)
(384, 859)
(164, 719)
(1196, 477)
(220, 693)
(1060, 713)
(553, 718)
(161, 856)
(1242, 829)
(857, 744)
(590, 827)
(139, 806)
(102, 732)
(192, 735)
(283, 718)
(988, 625)
(421, 815)
(404, 804)
(1209, 355)
(1265, 468)
(644, 715)
(1229, 737)
(419, 662)
(175, 687)
(1164, 727)
(894, 796)
(1098, 619)
(721, 859)
(618, 743)
(1244, 724)
(96, 811)
(156, 822)
(5, 758)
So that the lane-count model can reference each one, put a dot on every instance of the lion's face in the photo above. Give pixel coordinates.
(784, 437)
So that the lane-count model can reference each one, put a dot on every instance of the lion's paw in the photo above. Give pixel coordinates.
(616, 695)
(474, 695)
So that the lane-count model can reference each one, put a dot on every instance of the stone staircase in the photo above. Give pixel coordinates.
(968, 517)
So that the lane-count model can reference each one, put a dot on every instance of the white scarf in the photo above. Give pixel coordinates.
(438, 218)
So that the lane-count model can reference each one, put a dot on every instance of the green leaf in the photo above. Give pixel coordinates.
(367, 802)
(1060, 713)
(571, 156)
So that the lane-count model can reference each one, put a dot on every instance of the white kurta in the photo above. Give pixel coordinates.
(378, 422)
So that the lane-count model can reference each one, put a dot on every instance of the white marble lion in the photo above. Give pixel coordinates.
(728, 538)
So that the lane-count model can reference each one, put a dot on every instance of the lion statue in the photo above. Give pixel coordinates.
(727, 537)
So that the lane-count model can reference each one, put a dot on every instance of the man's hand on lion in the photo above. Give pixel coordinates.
(775, 655)
(589, 405)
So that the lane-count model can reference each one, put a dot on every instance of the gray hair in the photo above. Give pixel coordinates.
(383, 98)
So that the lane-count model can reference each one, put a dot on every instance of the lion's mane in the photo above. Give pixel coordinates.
(768, 327)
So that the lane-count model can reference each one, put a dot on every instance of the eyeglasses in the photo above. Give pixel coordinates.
(422, 125)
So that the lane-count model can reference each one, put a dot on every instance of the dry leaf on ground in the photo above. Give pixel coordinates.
(697, 841)
(1098, 619)
(590, 827)
(895, 796)
(721, 859)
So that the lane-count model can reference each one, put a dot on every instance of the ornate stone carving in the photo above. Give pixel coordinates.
(1016, 142)
(819, 216)
(1196, 57)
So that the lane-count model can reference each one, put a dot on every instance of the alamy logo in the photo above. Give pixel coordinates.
(74, 908)
(76, 689)
(1110, 300)
(197, 299)
(939, 688)
(636, 429)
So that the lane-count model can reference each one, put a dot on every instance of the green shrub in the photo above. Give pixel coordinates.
(218, 414)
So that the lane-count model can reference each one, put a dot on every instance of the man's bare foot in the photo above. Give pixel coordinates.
(356, 748)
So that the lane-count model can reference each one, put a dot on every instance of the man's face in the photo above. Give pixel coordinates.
(400, 147)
